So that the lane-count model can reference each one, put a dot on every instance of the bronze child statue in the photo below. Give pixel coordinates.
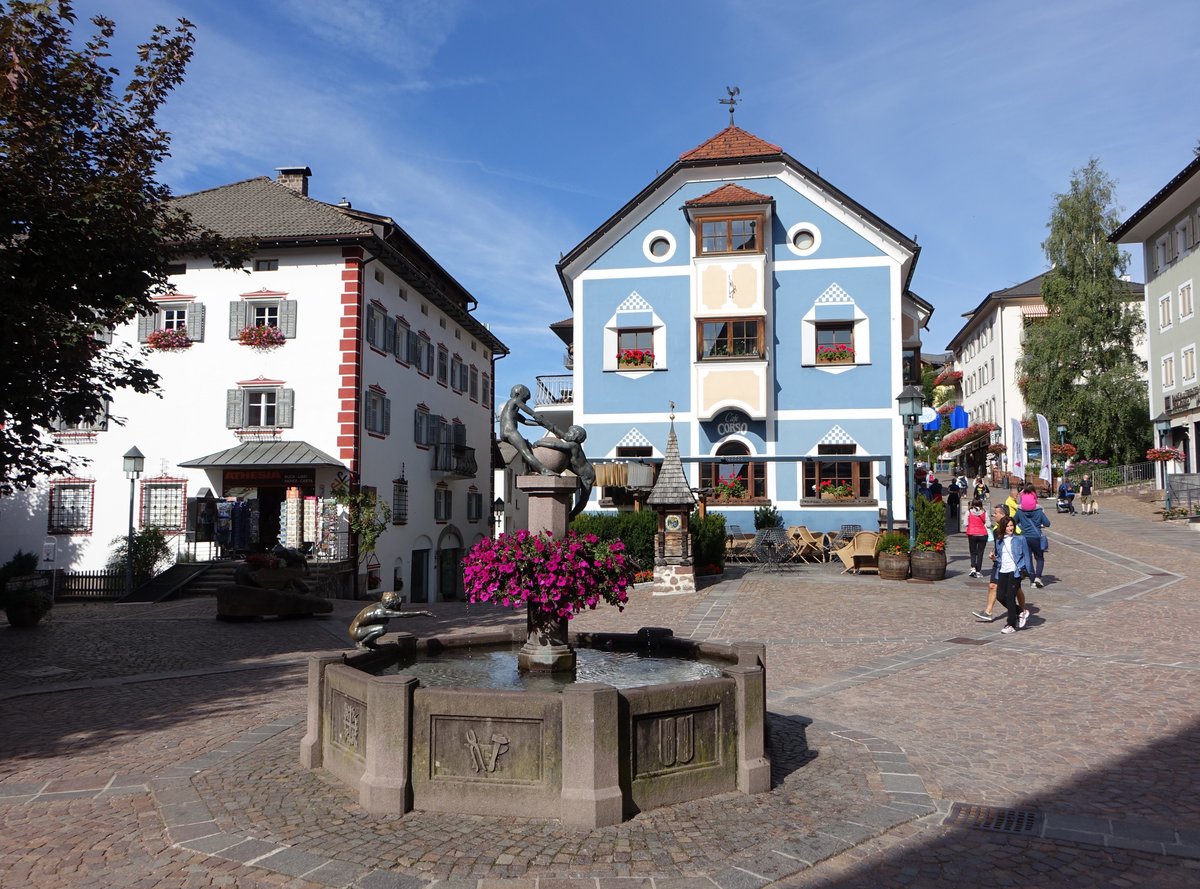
(371, 623)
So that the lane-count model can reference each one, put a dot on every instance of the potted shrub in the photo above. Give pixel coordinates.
(928, 558)
(767, 517)
(891, 550)
(22, 591)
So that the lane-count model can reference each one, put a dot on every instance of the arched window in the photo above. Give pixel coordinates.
(750, 475)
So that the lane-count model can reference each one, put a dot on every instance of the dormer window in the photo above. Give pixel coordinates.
(729, 234)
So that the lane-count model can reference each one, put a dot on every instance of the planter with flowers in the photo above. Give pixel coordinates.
(173, 339)
(948, 378)
(835, 354)
(729, 489)
(1164, 455)
(997, 448)
(635, 359)
(265, 337)
(891, 551)
(928, 557)
(960, 437)
(828, 490)
(553, 579)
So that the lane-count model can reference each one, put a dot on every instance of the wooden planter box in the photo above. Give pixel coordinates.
(893, 566)
(928, 565)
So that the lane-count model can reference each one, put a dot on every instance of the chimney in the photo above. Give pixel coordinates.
(295, 178)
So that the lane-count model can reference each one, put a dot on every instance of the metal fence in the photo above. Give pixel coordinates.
(102, 584)
(1183, 491)
(1104, 477)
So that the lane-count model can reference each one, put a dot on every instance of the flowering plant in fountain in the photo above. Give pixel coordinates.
(558, 576)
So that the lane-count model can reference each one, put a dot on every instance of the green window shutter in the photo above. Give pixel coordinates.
(285, 407)
(369, 418)
(195, 324)
(147, 324)
(235, 408)
(239, 317)
(287, 317)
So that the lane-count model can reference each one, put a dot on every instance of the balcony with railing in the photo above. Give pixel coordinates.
(454, 460)
(555, 391)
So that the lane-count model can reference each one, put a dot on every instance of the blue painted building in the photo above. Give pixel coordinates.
(771, 308)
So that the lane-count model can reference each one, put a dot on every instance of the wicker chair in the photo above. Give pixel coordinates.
(809, 547)
(859, 554)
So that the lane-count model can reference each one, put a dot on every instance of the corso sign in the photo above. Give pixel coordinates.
(733, 422)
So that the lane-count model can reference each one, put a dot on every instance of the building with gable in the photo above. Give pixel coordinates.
(772, 308)
(343, 352)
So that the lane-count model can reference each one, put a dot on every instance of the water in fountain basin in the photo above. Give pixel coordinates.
(497, 668)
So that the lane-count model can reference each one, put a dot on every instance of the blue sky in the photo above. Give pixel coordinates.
(500, 134)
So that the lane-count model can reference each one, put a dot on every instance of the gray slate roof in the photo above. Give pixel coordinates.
(672, 488)
(266, 453)
(264, 209)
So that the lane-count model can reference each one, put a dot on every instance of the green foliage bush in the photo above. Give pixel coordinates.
(150, 552)
(636, 530)
(931, 525)
(767, 517)
(891, 540)
(708, 539)
(20, 565)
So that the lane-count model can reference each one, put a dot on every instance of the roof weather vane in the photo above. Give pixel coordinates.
(734, 92)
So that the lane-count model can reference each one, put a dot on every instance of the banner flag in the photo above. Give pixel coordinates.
(1018, 449)
(1047, 473)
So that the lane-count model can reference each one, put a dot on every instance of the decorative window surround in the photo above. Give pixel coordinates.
(659, 246)
(174, 312)
(263, 308)
(72, 502)
(634, 313)
(377, 412)
(835, 305)
(163, 502)
(259, 408)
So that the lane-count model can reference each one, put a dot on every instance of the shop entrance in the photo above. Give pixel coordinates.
(264, 492)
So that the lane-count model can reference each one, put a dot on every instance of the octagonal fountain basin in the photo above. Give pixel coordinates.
(447, 724)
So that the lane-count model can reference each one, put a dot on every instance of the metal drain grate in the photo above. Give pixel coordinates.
(994, 819)
(962, 640)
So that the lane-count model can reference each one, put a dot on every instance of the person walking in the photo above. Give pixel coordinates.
(977, 536)
(1031, 522)
(1067, 492)
(1086, 496)
(1011, 558)
(953, 507)
(999, 511)
(982, 491)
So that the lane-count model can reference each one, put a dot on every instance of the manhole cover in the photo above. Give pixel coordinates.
(994, 819)
(963, 640)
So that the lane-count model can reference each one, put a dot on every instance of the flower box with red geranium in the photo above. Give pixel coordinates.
(264, 337)
(169, 340)
(635, 358)
(828, 490)
(997, 448)
(1164, 455)
(835, 354)
(948, 378)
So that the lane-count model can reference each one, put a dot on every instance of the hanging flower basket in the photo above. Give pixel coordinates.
(1065, 451)
(1164, 455)
(959, 437)
(997, 448)
(171, 340)
(265, 337)
(835, 354)
(948, 378)
(635, 358)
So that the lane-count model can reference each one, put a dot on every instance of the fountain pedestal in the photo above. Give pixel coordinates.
(546, 649)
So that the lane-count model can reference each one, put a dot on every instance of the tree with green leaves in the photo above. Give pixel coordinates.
(1079, 365)
(86, 233)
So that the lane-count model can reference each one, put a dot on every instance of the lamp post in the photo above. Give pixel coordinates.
(1162, 425)
(1062, 433)
(498, 515)
(911, 402)
(133, 462)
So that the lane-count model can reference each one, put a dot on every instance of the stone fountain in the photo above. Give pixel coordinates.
(590, 754)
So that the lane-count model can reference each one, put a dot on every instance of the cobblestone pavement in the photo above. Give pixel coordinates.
(151, 745)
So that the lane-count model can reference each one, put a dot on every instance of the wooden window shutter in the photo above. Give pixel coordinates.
(285, 407)
(419, 426)
(195, 323)
(147, 324)
(387, 416)
(235, 408)
(287, 317)
(239, 317)
(389, 334)
(369, 418)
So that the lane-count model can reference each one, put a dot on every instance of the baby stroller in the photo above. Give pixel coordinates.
(1065, 503)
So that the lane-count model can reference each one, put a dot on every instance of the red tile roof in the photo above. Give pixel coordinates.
(731, 142)
(730, 194)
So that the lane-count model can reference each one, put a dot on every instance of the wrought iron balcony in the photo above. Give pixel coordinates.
(455, 460)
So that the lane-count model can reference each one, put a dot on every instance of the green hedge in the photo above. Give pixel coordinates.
(636, 530)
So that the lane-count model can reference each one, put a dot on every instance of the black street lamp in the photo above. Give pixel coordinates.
(133, 462)
(1062, 433)
(911, 402)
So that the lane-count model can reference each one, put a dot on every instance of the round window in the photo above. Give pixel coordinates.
(803, 239)
(660, 247)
